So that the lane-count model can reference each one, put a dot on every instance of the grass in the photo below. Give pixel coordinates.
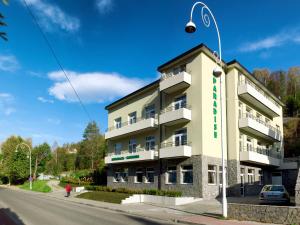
(38, 185)
(103, 196)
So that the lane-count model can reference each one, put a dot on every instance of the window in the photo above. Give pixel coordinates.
(221, 175)
(258, 115)
(150, 143)
(277, 127)
(249, 144)
(180, 137)
(261, 177)
(121, 175)
(149, 175)
(179, 69)
(118, 148)
(139, 175)
(240, 110)
(118, 123)
(180, 102)
(132, 146)
(267, 120)
(171, 175)
(250, 176)
(212, 174)
(248, 112)
(187, 174)
(150, 111)
(132, 118)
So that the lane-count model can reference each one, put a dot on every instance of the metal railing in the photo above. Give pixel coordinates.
(175, 144)
(127, 123)
(268, 152)
(173, 108)
(126, 151)
(247, 81)
(165, 76)
(249, 115)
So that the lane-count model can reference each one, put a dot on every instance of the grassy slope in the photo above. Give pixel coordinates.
(112, 197)
(39, 186)
(291, 129)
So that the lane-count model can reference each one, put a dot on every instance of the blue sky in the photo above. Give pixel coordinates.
(112, 47)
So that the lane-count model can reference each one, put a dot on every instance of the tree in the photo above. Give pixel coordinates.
(40, 155)
(15, 163)
(3, 34)
(263, 75)
(91, 131)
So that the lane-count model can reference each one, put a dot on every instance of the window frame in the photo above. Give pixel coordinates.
(213, 172)
(149, 170)
(118, 122)
(132, 146)
(132, 118)
(252, 175)
(168, 172)
(184, 171)
(138, 171)
(115, 148)
(150, 143)
(150, 111)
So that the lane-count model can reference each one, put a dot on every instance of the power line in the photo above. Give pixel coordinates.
(56, 58)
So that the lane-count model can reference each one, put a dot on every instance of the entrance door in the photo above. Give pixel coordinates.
(277, 178)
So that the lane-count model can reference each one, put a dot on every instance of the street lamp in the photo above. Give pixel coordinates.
(29, 148)
(217, 72)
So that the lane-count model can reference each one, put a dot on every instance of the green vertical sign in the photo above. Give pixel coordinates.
(215, 111)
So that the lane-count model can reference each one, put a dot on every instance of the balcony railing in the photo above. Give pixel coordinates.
(248, 115)
(247, 81)
(175, 144)
(173, 108)
(127, 123)
(126, 151)
(165, 76)
(268, 152)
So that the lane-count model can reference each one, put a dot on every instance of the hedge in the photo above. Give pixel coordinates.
(131, 191)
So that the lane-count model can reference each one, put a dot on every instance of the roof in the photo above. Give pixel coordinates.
(201, 47)
(132, 94)
(235, 62)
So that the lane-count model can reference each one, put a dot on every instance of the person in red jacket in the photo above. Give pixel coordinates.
(68, 189)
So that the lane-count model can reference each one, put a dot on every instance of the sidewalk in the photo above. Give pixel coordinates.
(204, 212)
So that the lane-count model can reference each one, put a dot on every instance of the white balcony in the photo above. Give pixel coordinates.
(125, 157)
(173, 82)
(169, 150)
(259, 128)
(129, 129)
(260, 156)
(171, 116)
(251, 93)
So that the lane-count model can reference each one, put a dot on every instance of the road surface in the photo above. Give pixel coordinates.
(37, 209)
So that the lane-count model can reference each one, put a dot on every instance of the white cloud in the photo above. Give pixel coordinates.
(104, 6)
(50, 16)
(9, 63)
(277, 40)
(92, 87)
(44, 100)
(6, 104)
(54, 121)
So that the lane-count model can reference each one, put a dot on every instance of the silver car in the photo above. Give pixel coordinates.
(274, 194)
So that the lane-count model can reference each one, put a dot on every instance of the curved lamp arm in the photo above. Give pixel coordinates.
(26, 145)
(206, 22)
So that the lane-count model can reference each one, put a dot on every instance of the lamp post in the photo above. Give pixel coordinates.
(217, 72)
(29, 148)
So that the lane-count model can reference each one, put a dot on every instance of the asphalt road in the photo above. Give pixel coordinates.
(36, 209)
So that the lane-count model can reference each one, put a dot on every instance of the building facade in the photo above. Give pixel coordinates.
(167, 135)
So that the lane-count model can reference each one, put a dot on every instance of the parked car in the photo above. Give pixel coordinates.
(274, 194)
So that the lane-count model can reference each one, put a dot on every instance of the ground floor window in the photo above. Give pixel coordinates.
(121, 175)
(139, 175)
(171, 175)
(221, 175)
(149, 175)
(212, 174)
(187, 174)
(250, 176)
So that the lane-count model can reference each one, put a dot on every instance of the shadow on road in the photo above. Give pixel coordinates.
(145, 221)
(8, 217)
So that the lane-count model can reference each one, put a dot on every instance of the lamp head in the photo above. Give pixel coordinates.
(190, 27)
(217, 72)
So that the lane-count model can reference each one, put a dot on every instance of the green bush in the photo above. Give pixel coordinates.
(132, 191)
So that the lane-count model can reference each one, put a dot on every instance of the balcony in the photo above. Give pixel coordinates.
(126, 128)
(171, 150)
(260, 156)
(170, 115)
(259, 128)
(173, 82)
(251, 93)
(125, 156)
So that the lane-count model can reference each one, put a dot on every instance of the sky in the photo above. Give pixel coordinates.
(110, 48)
